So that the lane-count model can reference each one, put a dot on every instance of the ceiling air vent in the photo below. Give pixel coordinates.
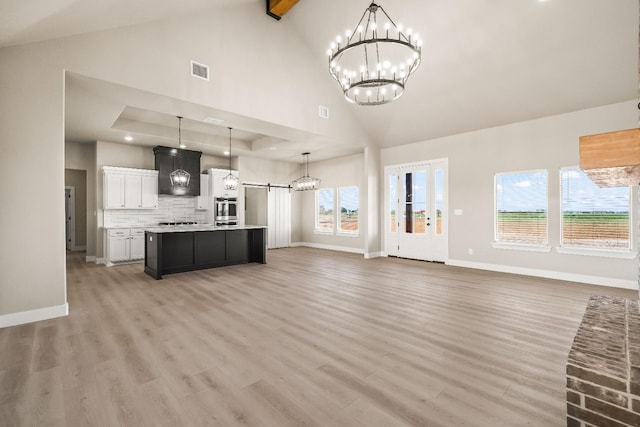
(323, 111)
(199, 70)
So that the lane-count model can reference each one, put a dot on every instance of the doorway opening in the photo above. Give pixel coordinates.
(70, 217)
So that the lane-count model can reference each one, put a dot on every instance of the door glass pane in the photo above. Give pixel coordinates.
(408, 203)
(438, 194)
(392, 202)
(419, 205)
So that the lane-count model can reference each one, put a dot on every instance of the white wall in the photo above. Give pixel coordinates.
(31, 134)
(372, 198)
(549, 143)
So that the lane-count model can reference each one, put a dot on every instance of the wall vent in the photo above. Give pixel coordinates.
(323, 111)
(199, 70)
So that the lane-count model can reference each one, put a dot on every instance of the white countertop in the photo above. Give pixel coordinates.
(186, 227)
(128, 227)
(200, 227)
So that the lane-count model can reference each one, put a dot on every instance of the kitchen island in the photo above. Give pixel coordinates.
(195, 247)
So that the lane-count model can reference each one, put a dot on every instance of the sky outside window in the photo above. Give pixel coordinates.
(522, 192)
(580, 194)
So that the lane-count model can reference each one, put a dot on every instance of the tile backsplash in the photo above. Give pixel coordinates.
(170, 209)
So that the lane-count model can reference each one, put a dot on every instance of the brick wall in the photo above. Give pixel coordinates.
(603, 368)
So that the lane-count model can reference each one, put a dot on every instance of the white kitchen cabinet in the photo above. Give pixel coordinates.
(132, 191)
(124, 244)
(118, 246)
(126, 188)
(114, 191)
(149, 187)
(202, 201)
(136, 250)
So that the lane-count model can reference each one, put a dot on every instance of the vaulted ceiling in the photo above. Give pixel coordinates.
(485, 62)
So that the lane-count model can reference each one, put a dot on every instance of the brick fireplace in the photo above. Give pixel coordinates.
(603, 368)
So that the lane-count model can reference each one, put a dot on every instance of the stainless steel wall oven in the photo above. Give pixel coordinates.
(226, 211)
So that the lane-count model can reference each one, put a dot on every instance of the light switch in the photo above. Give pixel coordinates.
(457, 212)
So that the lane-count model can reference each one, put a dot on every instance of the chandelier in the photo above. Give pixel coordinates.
(179, 177)
(306, 182)
(230, 181)
(373, 63)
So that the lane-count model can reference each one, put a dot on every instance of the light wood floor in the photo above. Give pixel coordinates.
(314, 337)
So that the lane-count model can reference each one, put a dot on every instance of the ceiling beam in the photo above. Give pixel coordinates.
(277, 8)
(611, 159)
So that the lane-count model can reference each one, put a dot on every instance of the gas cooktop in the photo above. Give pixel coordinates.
(179, 223)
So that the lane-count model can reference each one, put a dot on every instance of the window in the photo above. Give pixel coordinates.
(593, 217)
(521, 207)
(324, 210)
(348, 203)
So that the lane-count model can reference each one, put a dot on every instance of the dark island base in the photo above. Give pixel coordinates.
(177, 252)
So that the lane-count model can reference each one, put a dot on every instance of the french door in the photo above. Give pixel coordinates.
(416, 218)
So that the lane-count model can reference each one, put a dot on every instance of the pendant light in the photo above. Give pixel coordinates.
(230, 181)
(306, 182)
(179, 177)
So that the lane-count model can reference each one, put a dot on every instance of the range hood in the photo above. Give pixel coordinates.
(168, 160)
(611, 159)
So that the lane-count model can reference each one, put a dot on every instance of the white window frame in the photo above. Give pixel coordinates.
(338, 214)
(534, 247)
(622, 253)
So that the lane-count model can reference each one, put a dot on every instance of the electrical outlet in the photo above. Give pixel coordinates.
(470, 251)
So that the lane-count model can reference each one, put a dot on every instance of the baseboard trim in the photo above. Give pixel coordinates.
(101, 261)
(329, 247)
(548, 274)
(90, 258)
(133, 261)
(30, 316)
(370, 255)
(79, 248)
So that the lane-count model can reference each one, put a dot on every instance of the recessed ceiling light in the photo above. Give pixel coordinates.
(183, 146)
(273, 148)
(226, 153)
(128, 138)
(212, 120)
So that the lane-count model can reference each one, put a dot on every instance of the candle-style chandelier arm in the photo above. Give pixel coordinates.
(375, 61)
